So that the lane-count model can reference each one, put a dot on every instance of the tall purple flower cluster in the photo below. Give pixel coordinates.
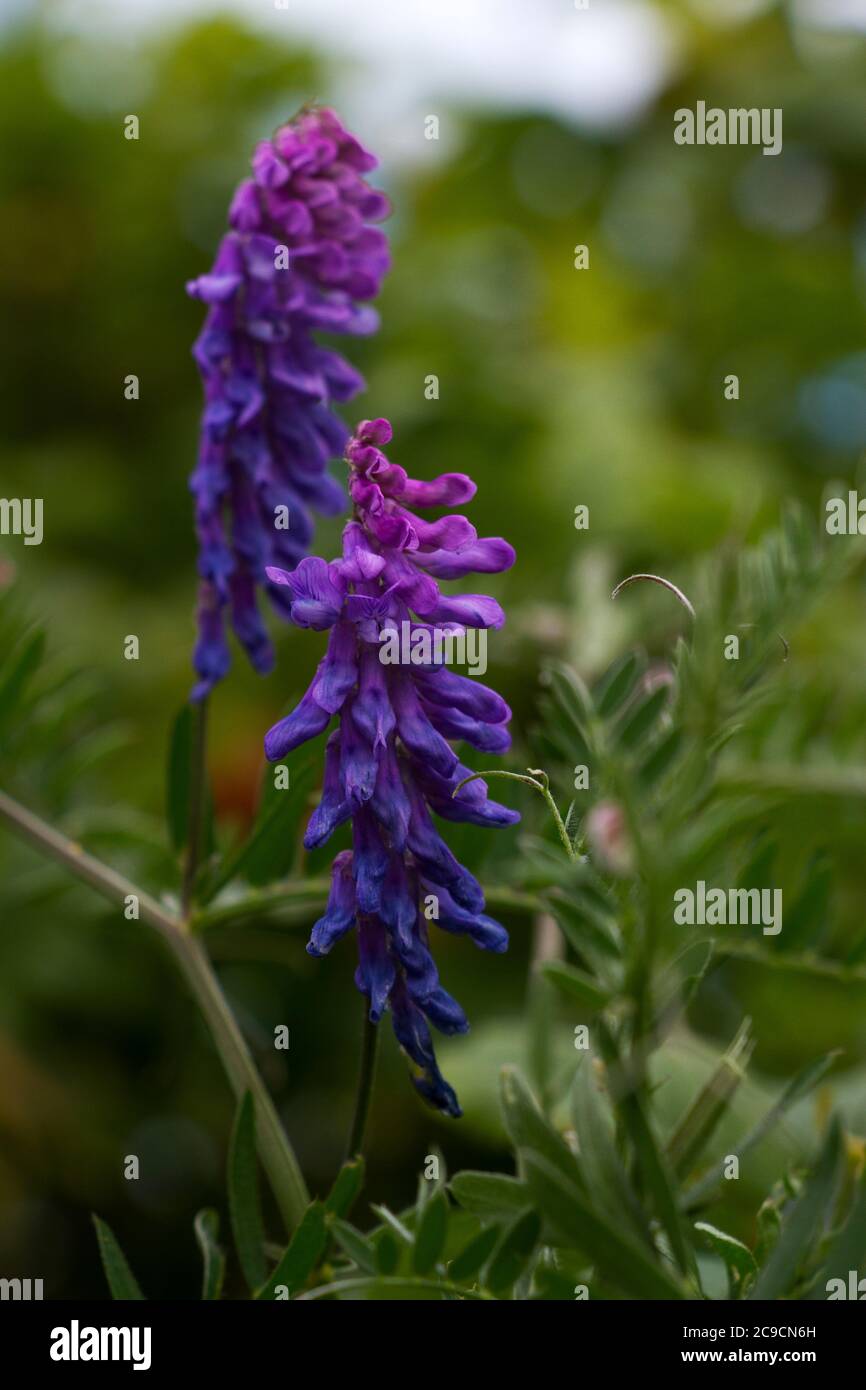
(389, 762)
(300, 257)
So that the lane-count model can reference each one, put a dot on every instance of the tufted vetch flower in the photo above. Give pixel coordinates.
(389, 762)
(301, 257)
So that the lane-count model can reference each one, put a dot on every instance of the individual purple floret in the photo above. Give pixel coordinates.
(389, 761)
(299, 258)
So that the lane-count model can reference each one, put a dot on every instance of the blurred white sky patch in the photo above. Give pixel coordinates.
(395, 59)
(600, 65)
(831, 14)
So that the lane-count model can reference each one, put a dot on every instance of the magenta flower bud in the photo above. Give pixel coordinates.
(299, 259)
(390, 760)
(608, 838)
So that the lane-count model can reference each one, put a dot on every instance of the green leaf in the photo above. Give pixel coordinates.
(401, 1232)
(803, 1223)
(121, 1280)
(617, 682)
(347, 1186)
(768, 1224)
(575, 984)
(270, 849)
(24, 663)
(528, 1129)
(356, 1245)
(690, 967)
(514, 1252)
(658, 1180)
(697, 1125)
(584, 924)
(474, 1255)
(304, 1252)
(578, 1223)
(552, 1284)
(661, 757)
(569, 714)
(806, 920)
(545, 865)
(569, 692)
(178, 778)
(244, 1202)
(737, 1257)
(206, 1227)
(639, 721)
(846, 1251)
(428, 1186)
(605, 1176)
(431, 1233)
(541, 1060)
(488, 1194)
(804, 1082)
(387, 1253)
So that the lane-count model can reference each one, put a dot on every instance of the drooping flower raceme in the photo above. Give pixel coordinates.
(389, 761)
(300, 257)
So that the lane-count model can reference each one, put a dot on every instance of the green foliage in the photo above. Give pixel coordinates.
(574, 1218)
(50, 731)
(121, 1280)
(803, 1223)
(801, 1085)
(430, 1234)
(270, 848)
(178, 777)
(605, 1194)
(244, 1200)
(488, 1194)
(514, 1252)
(302, 1255)
(575, 983)
(213, 1259)
(475, 1255)
(346, 1189)
(360, 1250)
(737, 1257)
(745, 772)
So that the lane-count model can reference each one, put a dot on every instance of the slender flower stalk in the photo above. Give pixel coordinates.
(364, 1091)
(390, 762)
(275, 1149)
(197, 799)
(301, 257)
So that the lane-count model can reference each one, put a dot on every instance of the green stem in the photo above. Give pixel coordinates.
(656, 579)
(299, 901)
(198, 774)
(92, 871)
(277, 1155)
(547, 945)
(534, 777)
(560, 824)
(364, 1092)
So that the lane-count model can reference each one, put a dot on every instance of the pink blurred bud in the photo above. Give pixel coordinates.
(608, 838)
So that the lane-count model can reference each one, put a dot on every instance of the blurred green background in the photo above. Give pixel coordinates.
(557, 387)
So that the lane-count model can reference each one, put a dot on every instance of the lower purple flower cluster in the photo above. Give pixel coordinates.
(389, 762)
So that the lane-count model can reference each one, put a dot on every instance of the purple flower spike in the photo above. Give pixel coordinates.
(389, 761)
(299, 258)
